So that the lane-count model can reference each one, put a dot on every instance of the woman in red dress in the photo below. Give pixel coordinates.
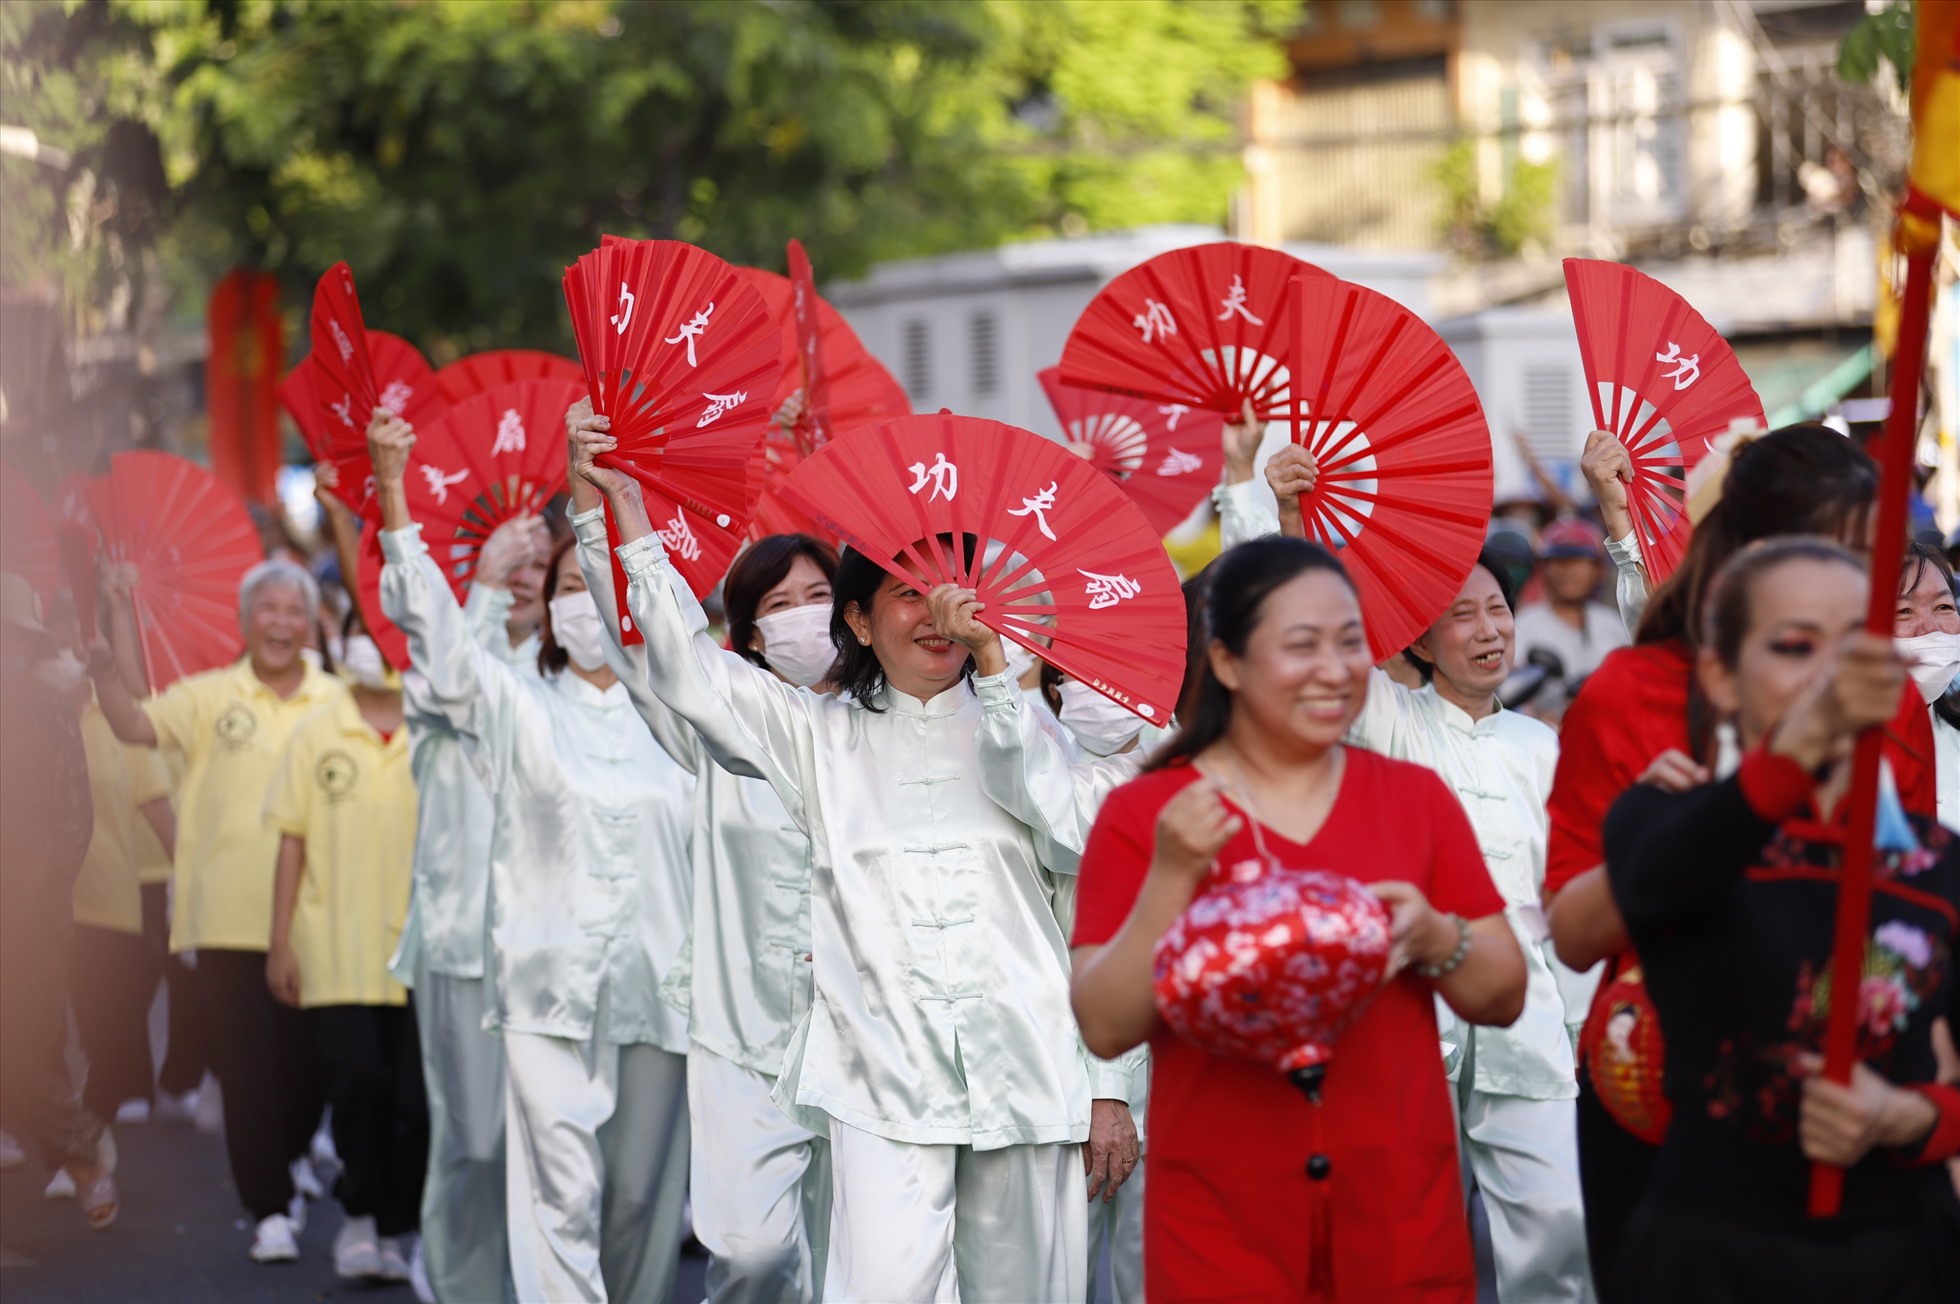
(1231, 1140)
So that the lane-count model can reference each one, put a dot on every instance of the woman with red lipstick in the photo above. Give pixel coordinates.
(937, 1055)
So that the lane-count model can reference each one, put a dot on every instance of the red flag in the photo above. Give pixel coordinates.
(241, 377)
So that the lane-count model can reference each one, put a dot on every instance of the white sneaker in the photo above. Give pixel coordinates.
(61, 1186)
(418, 1276)
(11, 1155)
(210, 1107)
(305, 1180)
(357, 1250)
(134, 1110)
(394, 1259)
(275, 1241)
(178, 1111)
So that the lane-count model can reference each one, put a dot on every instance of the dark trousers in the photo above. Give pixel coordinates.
(111, 977)
(262, 1052)
(1614, 1168)
(187, 1054)
(38, 1099)
(372, 1065)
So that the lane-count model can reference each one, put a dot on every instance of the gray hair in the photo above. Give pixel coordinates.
(271, 574)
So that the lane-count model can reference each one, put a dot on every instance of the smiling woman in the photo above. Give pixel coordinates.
(937, 1054)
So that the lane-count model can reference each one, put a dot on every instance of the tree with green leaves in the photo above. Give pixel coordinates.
(458, 155)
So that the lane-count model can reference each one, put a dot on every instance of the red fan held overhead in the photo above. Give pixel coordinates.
(1080, 578)
(484, 461)
(469, 376)
(1204, 327)
(1402, 452)
(332, 420)
(679, 350)
(1662, 380)
(27, 535)
(1165, 456)
(190, 542)
(855, 390)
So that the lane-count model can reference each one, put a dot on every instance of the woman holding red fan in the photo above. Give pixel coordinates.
(759, 1187)
(1235, 1169)
(588, 905)
(1642, 714)
(1729, 891)
(937, 1056)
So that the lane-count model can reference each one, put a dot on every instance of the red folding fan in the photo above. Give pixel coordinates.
(480, 371)
(679, 350)
(368, 562)
(1079, 567)
(191, 541)
(1165, 456)
(1665, 382)
(332, 421)
(1402, 450)
(1204, 327)
(856, 389)
(27, 535)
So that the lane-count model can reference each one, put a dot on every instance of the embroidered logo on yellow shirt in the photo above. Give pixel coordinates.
(236, 726)
(337, 775)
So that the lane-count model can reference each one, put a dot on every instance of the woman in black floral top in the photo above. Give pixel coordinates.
(1730, 894)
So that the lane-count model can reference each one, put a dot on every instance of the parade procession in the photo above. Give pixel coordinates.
(701, 813)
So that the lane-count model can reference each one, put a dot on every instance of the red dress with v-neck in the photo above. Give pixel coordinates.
(1230, 1139)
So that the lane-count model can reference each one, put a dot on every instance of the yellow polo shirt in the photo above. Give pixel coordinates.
(120, 779)
(349, 796)
(152, 861)
(231, 731)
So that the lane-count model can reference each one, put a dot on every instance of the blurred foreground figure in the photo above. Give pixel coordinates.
(44, 791)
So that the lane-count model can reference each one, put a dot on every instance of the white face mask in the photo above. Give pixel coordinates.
(1938, 658)
(796, 643)
(575, 627)
(1019, 660)
(360, 660)
(1098, 723)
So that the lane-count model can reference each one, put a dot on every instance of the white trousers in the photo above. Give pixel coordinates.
(597, 1169)
(760, 1187)
(1119, 1225)
(1524, 1156)
(916, 1223)
(465, 1245)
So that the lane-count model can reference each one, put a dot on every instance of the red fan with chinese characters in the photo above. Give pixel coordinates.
(1401, 449)
(1164, 455)
(487, 459)
(1665, 382)
(190, 542)
(680, 352)
(331, 419)
(471, 375)
(1204, 327)
(1080, 577)
(27, 535)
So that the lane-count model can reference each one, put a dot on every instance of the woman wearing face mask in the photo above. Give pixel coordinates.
(588, 905)
(937, 1055)
(1729, 892)
(1231, 1140)
(1642, 712)
(759, 1186)
(1514, 1085)
(1927, 628)
(343, 803)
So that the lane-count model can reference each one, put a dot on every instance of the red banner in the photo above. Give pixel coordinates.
(241, 376)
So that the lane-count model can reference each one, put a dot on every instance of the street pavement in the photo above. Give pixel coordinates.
(181, 1239)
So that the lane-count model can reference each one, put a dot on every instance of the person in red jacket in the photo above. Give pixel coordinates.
(1642, 709)
(1232, 1164)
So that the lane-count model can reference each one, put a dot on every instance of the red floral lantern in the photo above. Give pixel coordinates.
(1624, 1055)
